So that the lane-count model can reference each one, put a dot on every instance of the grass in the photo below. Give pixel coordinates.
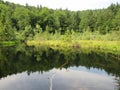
(71, 35)
(7, 43)
(109, 42)
(105, 46)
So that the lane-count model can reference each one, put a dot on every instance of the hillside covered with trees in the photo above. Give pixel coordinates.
(19, 22)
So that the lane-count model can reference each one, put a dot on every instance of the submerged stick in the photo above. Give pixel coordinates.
(51, 78)
(51, 81)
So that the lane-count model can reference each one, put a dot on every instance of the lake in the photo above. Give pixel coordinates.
(45, 68)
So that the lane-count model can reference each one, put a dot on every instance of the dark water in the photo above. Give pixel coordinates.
(44, 68)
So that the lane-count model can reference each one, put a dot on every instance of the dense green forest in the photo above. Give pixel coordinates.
(19, 22)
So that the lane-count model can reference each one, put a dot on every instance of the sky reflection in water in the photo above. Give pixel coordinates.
(73, 78)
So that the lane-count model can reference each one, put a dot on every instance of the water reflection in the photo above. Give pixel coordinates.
(63, 80)
(34, 68)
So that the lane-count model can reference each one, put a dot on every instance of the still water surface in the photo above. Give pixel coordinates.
(39, 68)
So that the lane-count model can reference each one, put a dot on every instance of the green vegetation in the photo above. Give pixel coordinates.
(8, 43)
(101, 28)
(102, 46)
(86, 40)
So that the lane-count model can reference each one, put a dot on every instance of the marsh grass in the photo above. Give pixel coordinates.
(104, 46)
(7, 43)
(71, 35)
(109, 42)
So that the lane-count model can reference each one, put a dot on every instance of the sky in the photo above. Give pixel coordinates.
(73, 5)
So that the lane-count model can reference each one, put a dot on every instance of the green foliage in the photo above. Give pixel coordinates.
(28, 22)
(38, 29)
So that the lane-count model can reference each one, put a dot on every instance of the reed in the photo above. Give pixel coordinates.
(7, 43)
(109, 46)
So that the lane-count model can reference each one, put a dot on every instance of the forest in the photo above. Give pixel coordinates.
(22, 23)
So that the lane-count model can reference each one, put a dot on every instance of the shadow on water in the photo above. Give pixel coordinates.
(21, 58)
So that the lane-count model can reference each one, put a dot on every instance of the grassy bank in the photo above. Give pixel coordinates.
(107, 46)
(109, 42)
